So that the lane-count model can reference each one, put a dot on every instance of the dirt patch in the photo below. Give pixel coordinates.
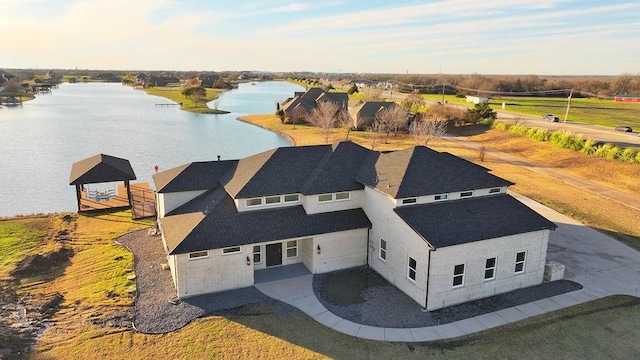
(22, 319)
(42, 263)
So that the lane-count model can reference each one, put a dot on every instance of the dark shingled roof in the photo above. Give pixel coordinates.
(457, 222)
(211, 221)
(279, 171)
(420, 171)
(371, 108)
(337, 171)
(193, 176)
(101, 168)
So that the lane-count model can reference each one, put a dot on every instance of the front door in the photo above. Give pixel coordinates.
(274, 254)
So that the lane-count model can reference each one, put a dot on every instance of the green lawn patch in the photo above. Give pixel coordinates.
(175, 95)
(19, 238)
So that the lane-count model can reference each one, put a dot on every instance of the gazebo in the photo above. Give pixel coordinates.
(98, 169)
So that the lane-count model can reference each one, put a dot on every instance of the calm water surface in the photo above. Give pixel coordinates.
(40, 140)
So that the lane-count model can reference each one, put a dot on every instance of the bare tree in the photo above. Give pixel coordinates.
(324, 117)
(391, 118)
(373, 94)
(347, 122)
(425, 129)
(374, 134)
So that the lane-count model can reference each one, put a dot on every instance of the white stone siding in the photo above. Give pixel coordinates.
(170, 201)
(338, 251)
(474, 255)
(215, 273)
(241, 204)
(451, 196)
(312, 206)
(402, 242)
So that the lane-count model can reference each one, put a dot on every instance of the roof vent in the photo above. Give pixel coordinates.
(218, 157)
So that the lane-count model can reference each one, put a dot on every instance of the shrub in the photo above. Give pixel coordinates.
(487, 122)
(589, 147)
(518, 129)
(628, 154)
(541, 135)
(638, 157)
(498, 125)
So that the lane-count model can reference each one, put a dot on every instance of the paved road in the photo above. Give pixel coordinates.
(595, 132)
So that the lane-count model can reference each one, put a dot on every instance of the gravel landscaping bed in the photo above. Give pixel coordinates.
(364, 297)
(157, 311)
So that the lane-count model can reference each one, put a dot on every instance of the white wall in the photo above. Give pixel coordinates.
(341, 250)
(171, 201)
(402, 242)
(452, 196)
(215, 273)
(241, 204)
(473, 255)
(312, 206)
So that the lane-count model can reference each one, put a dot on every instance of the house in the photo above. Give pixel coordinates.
(364, 113)
(626, 98)
(302, 103)
(441, 229)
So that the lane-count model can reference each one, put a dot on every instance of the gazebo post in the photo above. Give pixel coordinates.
(126, 185)
(78, 195)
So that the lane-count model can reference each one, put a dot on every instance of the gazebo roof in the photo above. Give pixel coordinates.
(101, 168)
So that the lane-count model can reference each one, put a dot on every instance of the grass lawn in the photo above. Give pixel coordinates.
(602, 328)
(603, 112)
(175, 95)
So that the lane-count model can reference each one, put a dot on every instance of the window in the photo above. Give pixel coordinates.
(325, 197)
(494, 190)
(292, 249)
(521, 258)
(441, 197)
(254, 202)
(490, 269)
(458, 275)
(411, 270)
(343, 196)
(466, 194)
(272, 199)
(383, 250)
(231, 250)
(409, 201)
(198, 255)
(257, 254)
(292, 198)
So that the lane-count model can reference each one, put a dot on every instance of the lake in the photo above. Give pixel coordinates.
(40, 140)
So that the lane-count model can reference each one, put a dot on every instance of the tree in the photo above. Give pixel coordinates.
(391, 119)
(425, 129)
(353, 89)
(12, 85)
(346, 122)
(324, 117)
(374, 134)
(197, 94)
(220, 83)
(481, 111)
(413, 103)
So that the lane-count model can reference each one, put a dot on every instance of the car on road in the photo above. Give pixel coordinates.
(550, 117)
(624, 128)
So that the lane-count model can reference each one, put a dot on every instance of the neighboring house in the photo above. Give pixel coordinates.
(441, 229)
(302, 103)
(364, 113)
(626, 98)
(477, 99)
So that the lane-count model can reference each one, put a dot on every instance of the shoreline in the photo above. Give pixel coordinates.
(175, 95)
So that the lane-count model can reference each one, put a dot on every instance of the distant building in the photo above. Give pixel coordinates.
(477, 99)
(626, 98)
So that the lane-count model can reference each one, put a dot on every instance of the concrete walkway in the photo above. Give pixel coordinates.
(602, 265)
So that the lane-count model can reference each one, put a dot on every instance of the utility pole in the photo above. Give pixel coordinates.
(566, 115)
(442, 95)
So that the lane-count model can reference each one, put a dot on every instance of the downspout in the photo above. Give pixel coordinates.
(426, 298)
(368, 234)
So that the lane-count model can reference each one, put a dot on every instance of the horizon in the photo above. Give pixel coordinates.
(549, 38)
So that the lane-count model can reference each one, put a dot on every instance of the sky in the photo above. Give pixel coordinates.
(542, 37)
